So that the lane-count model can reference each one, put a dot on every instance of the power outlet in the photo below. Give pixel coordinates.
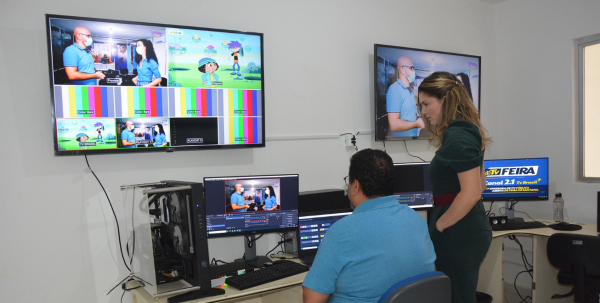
(348, 140)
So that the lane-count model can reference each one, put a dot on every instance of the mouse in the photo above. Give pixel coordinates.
(280, 261)
(563, 224)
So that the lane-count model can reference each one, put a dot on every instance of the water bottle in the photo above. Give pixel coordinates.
(559, 204)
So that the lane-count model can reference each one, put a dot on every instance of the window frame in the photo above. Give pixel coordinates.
(580, 44)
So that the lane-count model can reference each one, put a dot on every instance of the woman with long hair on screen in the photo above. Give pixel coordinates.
(160, 139)
(270, 199)
(458, 227)
(147, 64)
(464, 78)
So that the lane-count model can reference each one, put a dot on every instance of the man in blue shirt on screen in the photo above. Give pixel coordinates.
(380, 244)
(238, 204)
(401, 104)
(78, 61)
(127, 135)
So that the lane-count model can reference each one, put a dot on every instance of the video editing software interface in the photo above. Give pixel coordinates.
(199, 87)
(239, 205)
(413, 186)
(516, 179)
(312, 229)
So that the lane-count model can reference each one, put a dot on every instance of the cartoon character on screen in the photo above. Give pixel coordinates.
(270, 199)
(99, 128)
(237, 49)
(81, 138)
(208, 66)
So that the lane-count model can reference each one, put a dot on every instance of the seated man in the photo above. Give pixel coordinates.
(380, 244)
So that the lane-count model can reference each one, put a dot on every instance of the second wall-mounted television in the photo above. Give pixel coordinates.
(398, 73)
(123, 86)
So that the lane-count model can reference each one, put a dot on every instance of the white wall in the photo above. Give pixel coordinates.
(59, 237)
(537, 108)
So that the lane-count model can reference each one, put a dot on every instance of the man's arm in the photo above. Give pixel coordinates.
(397, 124)
(73, 74)
(236, 207)
(311, 296)
(127, 143)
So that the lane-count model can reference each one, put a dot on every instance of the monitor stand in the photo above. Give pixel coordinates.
(510, 213)
(250, 256)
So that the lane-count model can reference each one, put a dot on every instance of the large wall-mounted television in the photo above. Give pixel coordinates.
(398, 73)
(123, 86)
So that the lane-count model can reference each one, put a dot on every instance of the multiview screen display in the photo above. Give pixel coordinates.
(120, 86)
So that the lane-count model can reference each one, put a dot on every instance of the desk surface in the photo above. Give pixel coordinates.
(233, 293)
(587, 229)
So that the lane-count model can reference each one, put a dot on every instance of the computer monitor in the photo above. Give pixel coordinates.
(312, 229)
(413, 186)
(515, 180)
(257, 213)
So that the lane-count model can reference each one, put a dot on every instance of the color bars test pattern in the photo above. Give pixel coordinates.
(238, 110)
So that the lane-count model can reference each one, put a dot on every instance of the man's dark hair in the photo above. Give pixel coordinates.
(374, 170)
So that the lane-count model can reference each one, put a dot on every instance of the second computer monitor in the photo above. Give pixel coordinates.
(413, 186)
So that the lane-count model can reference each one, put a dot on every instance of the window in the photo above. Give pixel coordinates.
(588, 53)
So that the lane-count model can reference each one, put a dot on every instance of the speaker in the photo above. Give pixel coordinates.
(500, 220)
(322, 200)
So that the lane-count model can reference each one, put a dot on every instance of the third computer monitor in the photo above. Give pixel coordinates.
(413, 186)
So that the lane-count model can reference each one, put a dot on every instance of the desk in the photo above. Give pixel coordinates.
(285, 290)
(545, 283)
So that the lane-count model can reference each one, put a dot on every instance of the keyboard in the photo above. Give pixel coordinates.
(275, 272)
(518, 225)
(230, 269)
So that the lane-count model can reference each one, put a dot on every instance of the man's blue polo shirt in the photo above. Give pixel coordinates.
(380, 244)
(239, 200)
(401, 100)
(129, 136)
(76, 56)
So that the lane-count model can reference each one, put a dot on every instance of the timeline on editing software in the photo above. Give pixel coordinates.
(415, 198)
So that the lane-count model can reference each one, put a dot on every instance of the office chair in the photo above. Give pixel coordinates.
(578, 259)
(431, 287)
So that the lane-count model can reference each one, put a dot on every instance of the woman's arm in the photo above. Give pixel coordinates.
(156, 73)
(470, 192)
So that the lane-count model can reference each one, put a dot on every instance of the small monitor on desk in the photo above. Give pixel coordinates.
(516, 180)
(251, 205)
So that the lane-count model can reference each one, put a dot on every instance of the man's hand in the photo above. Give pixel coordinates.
(421, 123)
(100, 75)
(134, 80)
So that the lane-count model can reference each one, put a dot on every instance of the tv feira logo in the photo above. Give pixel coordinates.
(512, 171)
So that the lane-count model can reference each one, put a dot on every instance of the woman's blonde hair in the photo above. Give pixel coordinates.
(457, 105)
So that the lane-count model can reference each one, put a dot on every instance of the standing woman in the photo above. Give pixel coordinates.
(160, 139)
(271, 199)
(459, 230)
(147, 64)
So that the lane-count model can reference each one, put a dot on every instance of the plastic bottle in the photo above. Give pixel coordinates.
(559, 204)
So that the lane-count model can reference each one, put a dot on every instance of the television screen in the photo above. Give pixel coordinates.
(120, 86)
(516, 179)
(252, 204)
(398, 73)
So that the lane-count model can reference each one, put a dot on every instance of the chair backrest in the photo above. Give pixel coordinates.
(566, 250)
(431, 287)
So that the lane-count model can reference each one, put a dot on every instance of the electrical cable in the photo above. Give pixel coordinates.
(250, 242)
(384, 150)
(489, 212)
(405, 147)
(525, 264)
(278, 244)
(114, 214)
(122, 296)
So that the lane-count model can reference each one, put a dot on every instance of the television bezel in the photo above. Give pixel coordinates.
(375, 92)
(252, 232)
(520, 199)
(144, 150)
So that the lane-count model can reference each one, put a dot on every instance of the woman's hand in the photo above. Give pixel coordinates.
(134, 80)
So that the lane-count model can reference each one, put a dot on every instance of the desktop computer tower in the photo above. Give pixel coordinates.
(171, 250)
